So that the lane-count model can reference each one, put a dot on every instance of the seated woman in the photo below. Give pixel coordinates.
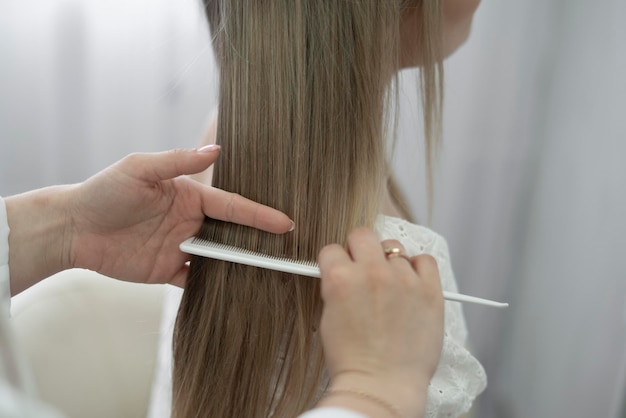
(305, 87)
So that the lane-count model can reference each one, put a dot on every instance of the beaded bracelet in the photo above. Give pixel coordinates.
(364, 395)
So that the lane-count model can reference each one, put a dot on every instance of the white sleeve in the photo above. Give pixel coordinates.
(161, 398)
(329, 412)
(5, 289)
(17, 397)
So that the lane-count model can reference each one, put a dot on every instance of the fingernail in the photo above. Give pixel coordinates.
(293, 226)
(208, 148)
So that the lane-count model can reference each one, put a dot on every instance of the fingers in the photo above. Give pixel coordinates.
(330, 257)
(426, 267)
(364, 246)
(216, 203)
(393, 249)
(365, 263)
(398, 258)
(231, 207)
(335, 266)
(166, 165)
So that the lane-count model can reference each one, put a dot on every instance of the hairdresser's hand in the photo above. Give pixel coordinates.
(126, 221)
(382, 324)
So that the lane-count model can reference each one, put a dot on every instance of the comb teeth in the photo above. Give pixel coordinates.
(216, 250)
(206, 248)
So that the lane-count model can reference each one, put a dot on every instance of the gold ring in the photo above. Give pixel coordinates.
(393, 252)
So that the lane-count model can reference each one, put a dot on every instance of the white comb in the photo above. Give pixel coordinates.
(210, 249)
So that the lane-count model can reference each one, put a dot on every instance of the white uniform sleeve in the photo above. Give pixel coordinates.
(14, 400)
(329, 412)
(5, 289)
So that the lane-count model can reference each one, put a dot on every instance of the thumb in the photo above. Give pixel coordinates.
(180, 278)
(170, 164)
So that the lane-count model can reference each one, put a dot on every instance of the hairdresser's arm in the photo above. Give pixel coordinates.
(382, 327)
(125, 222)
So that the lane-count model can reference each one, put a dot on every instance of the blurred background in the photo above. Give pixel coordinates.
(530, 188)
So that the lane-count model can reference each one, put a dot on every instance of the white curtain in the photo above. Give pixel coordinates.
(530, 189)
(85, 82)
(531, 195)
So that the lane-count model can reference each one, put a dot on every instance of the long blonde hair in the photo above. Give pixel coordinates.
(304, 86)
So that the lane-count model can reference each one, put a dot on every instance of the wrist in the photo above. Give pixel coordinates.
(39, 238)
(377, 395)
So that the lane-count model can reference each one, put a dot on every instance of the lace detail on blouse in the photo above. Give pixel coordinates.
(459, 377)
